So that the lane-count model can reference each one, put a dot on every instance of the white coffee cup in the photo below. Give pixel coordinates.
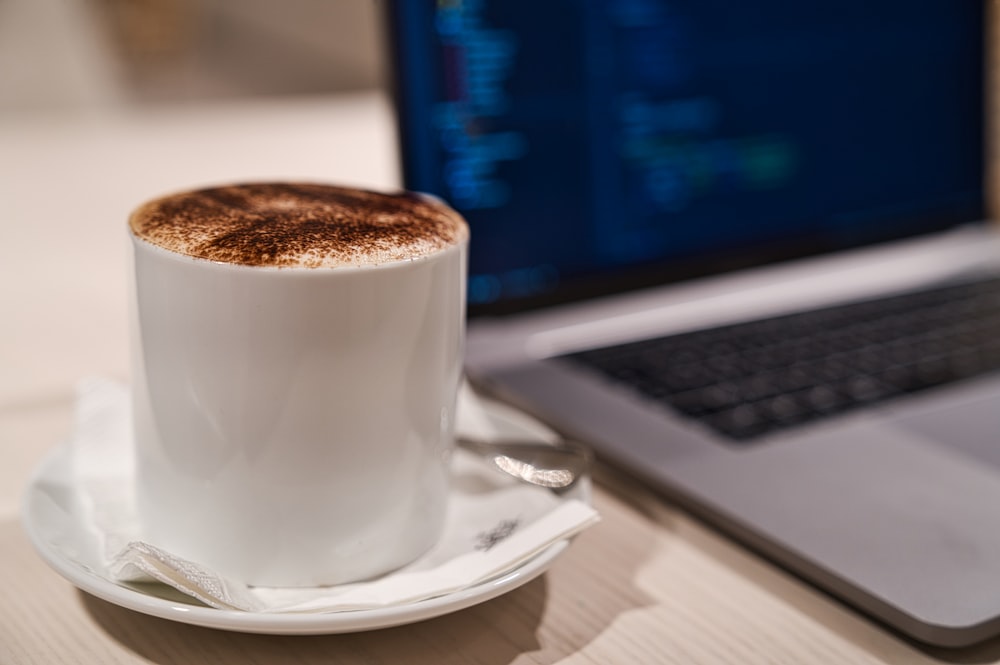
(293, 425)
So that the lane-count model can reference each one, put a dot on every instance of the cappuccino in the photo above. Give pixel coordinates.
(297, 351)
(298, 225)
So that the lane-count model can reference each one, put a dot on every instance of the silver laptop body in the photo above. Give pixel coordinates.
(582, 140)
(894, 508)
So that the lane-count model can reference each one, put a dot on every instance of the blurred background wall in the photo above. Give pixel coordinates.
(66, 55)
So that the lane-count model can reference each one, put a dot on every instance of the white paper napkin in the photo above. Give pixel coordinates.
(494, 523)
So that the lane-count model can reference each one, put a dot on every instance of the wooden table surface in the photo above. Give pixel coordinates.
(649, 584)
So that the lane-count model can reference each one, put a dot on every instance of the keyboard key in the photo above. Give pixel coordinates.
(782, 409)
(740, 422)
(824, 399)
(707, 400)
(864, 388)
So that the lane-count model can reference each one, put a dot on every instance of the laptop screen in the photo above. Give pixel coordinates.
(595, 146)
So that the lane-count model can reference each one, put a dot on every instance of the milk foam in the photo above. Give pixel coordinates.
(298, 225)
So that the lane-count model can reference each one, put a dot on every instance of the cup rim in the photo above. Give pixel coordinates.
(146, 245)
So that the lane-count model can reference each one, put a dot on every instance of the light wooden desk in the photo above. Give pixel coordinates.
(647, 585)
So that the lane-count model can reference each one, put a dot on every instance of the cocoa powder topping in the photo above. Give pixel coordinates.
(298, 225)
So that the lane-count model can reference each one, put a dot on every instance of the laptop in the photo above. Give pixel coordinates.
(742, 249)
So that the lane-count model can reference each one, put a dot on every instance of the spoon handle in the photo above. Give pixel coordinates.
(555, 467)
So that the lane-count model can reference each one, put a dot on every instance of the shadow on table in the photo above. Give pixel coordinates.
(466, 636)
(551, 617)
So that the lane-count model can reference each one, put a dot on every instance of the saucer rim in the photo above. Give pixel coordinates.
(276, 623)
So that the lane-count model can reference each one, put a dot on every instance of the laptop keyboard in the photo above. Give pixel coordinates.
(755, 378)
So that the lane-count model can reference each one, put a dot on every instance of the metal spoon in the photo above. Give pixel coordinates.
(556, 467)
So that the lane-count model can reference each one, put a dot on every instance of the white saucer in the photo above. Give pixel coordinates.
(48, 511)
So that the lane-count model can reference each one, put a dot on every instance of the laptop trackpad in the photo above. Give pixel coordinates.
(969, 422)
